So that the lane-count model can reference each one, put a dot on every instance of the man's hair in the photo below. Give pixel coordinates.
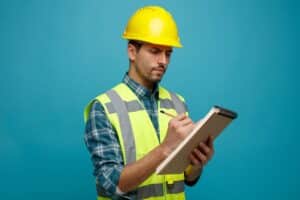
(136, 44)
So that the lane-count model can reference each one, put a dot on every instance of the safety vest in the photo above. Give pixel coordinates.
(137, 136)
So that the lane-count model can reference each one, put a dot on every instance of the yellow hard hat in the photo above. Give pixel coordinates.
(152, 24)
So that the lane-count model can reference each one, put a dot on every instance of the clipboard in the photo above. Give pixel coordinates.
(212, 124)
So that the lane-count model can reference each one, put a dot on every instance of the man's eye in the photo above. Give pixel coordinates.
(168, 54)
(154, 51)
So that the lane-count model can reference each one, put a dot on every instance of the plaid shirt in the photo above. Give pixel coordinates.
(103, 144)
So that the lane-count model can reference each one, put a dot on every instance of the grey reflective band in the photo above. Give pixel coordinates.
(176, 187)
(155, 190)
(125, 125)
(131, 106)
(179, 105)
(166, 103)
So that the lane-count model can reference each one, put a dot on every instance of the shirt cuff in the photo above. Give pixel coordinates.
(119, 192)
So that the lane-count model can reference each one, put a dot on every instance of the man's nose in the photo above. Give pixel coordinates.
(163, 59)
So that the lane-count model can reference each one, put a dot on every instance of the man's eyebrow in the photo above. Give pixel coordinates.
(161, 49)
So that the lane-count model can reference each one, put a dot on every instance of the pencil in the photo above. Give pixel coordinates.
(164, 112)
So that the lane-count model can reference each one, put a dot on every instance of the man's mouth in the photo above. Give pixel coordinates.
(159, 69)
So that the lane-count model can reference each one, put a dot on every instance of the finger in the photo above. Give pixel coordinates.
(194, 160)
(185, 130)
(189, 128)
(186, 121)
(180, 117)
(204, 148)
(200, 156)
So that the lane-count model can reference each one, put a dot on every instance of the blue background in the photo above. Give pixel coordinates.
(56, 55)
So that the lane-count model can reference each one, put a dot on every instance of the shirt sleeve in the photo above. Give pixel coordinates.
(102, 142)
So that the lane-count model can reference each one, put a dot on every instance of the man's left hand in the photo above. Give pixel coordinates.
(202, 153)
(199, 157)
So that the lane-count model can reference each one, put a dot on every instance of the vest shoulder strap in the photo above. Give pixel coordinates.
(172, 100)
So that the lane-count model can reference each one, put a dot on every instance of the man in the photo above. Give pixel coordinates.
(126, 134)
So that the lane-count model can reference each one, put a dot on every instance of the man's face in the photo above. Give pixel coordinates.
(150, 63)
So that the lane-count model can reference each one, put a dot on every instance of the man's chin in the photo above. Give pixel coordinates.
(157, 79)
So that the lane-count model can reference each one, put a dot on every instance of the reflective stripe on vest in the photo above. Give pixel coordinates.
(125, 125)
(179, 106)
(134, 105)
(175, 187)
(155, 190)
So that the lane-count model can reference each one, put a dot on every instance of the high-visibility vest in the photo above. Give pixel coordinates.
(137, 136)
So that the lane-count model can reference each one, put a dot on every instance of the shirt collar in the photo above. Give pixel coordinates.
(138, 89)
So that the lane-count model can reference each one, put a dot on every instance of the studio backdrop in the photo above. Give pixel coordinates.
(56, 55)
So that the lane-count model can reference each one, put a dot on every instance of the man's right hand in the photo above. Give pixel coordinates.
(178, 128)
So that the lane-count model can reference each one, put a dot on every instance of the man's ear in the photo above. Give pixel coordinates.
(131, 51)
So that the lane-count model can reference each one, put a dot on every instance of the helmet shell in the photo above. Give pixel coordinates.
(153, 24)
